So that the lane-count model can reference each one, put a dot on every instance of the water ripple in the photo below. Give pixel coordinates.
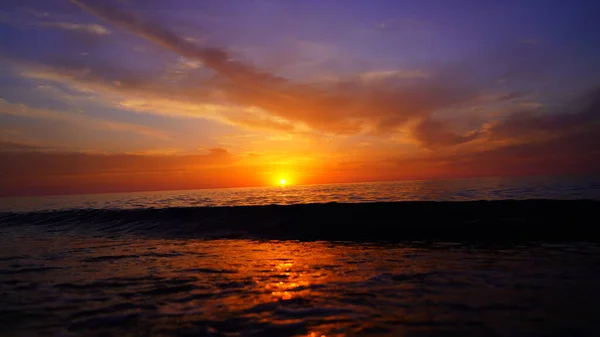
(287, 288)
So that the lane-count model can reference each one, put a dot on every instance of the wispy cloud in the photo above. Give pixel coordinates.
(95, 123)
(155, 97)
(90, 28)
(34, 19)
(393, 74)
(7, 145)
(344, 107)
(36, 13)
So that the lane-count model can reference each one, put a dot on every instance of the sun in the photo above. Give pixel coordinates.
(282, 182)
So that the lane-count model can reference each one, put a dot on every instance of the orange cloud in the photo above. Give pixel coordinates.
(153, 96)
(344, 107)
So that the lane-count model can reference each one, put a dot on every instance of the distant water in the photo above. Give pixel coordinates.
(546, 187)
(133, 265)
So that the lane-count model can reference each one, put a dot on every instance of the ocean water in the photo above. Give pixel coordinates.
(519, 188)
(143, 264)
(56, 285)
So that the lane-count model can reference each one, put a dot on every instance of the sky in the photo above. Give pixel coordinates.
(136, 95)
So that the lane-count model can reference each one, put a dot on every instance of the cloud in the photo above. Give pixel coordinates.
(251, 118)
(407, 26)
(571, 144)
(577, 152)
(21, 144)
(82, 120)
(393, 74)
(36, 19)
(433, 134)
(38, 172)
(14, 146)
(155, 96)
(532, 142)
(522, 143)
(37, 13)
(91, 28)
(226, 90)
(534, 125)
(345, 107)
(81, 163)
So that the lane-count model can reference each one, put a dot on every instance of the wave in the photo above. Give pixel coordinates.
(469, 220)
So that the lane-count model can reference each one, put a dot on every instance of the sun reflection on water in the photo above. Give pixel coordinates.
(294, 283)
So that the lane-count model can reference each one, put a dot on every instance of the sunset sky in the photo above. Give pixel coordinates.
(130, 95)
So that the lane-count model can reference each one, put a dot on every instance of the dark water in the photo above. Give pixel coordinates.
(60, 285)
(144, 268)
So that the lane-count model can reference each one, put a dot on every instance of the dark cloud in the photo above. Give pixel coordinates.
(535, 124)
(433, 134)
(533, 143)
(577, 152)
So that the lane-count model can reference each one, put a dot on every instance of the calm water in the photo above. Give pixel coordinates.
(96, 273)
(552, 187)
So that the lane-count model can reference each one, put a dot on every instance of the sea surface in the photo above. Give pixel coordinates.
(81, 266)
(500, 188)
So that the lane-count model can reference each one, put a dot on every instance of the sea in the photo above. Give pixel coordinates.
(122, 265)
(494, 188)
